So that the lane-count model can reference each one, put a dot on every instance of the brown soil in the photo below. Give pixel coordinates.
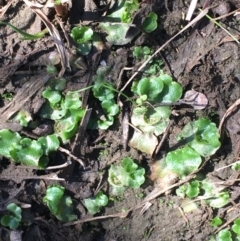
(204, 58)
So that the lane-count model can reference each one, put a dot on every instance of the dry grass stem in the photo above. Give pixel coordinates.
(228, 112)
(191, 9)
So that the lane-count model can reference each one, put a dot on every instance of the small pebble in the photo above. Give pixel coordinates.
(222, 9)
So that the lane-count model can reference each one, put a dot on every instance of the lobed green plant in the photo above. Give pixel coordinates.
(129, 174)
(236, 227)
(65, 110)
(215, 222)
(105, 93)
(129, 7)
(190, 189)
(94, 205)
(23, 117)
(12, 221)
(224, 235)
(151, 120)
(236, 166)
(214, 194)
(201, 139)
(26, 151)
(150, 23)
(227, 234)
(59, 204)
(153, 67)
(83, 37)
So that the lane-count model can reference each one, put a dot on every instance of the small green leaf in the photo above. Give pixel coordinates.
(202, 136)
(181, 191)
(23, 117)
(59, 204)
(224, 235)
(105, 124)
(49, 143)
(16, 210)
(10, 221)
(183, 161)
(72, 101)
(172, 91)
(129, 7)
(150, 23)
(215, 222)
(126, 175)
(151, 120)
(193, 189)
(94, 205)
(7, 138)
(27, 152)
(141, 52)
(219, 200)
(81, 34)
(110, 108)
(236, 166)
(102, 93)
(129, 165)
(236, 226)
(151, 87)
(84, 48)
(66, 127)
(51, 69)
(54, 114)
(190, 189)
(117, 33)
(101, 199)
(53, 96)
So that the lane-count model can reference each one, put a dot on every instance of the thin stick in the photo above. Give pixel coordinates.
(226, 15)
(221, 168)
(45, 178)
(71, 155)
(200, 16)
(66, 164)
(227, 113)
(183, 215)
(117, 215)
(135, 128)
(163, 138)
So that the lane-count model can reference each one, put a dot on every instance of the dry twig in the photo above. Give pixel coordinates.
(54, 33)
(228, 112)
